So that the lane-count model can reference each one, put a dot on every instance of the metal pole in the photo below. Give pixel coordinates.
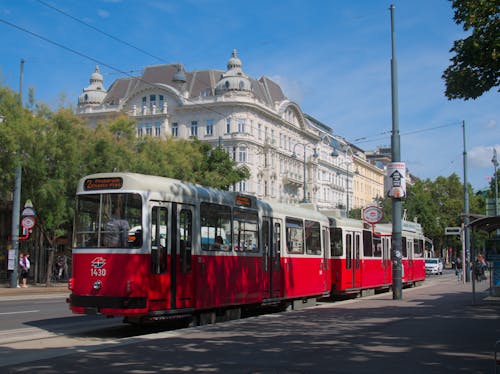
(16, 207)
(304, 200)
(347, 205)
(495, 165)
(21, 82)
(466, 213)
(397, 244)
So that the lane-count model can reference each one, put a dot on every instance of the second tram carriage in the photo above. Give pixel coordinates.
(148, 248)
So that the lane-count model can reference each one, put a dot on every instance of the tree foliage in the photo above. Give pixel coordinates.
(475, 67)
(436, 205)
(56, 149)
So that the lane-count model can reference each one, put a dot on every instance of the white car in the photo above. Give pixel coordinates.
(433, 266)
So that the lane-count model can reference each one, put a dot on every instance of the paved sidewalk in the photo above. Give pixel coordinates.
(6, 290)
(434, 329)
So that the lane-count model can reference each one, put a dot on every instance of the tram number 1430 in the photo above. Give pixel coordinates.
(98, 272)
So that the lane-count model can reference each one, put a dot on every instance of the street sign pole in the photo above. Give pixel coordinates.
(397, 244)
(16, 207)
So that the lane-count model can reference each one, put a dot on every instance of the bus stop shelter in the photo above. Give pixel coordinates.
(491, 227)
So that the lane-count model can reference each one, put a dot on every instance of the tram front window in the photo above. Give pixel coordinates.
(108, 220)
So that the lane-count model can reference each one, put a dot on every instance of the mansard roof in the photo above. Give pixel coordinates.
(197, 83)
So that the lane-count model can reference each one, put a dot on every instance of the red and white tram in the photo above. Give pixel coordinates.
(360, 256)
(148, 247)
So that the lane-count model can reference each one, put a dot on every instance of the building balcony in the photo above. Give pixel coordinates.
(293, 179)
(148, 110)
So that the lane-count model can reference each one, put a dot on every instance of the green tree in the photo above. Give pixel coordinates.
(475, 67)
(56, 149)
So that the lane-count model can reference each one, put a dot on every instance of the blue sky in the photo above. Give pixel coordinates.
(331, 57)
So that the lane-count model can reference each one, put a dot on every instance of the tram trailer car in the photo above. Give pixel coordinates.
(151, 248)
(360, 256)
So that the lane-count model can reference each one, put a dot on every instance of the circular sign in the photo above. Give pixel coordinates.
(372, 214)
(28, 222)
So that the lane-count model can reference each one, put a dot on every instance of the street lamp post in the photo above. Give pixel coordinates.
(304, 184)
(494, 160)
(347, 164)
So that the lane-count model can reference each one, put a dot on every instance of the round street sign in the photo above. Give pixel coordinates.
(372, 214)
(28, 222)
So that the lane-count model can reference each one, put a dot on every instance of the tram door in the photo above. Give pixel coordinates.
(271, 238)
(171, 248)
(182, 247)
(353, 261)
(386, 258)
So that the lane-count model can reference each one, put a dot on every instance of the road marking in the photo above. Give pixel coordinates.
(21, 312)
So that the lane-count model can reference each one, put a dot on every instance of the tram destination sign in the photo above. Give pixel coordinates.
(92, 184)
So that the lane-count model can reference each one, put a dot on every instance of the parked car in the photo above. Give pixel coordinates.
(433, 266)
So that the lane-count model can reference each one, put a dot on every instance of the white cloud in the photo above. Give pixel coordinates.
(103, 13)
(492, 124)
(481, 156)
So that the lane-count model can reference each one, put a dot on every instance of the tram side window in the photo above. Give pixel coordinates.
(313, 238)
(294, 236)
(159, 220)
(336, 249)
(367, 244)
(377, 247)
(404, 247)
(348, 251)
(186, 239)
(108, 220)
(418, 248)
(215, 227)
(246, 236)
(277, 245)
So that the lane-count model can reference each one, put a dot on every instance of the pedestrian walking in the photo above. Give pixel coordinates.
(24, 263)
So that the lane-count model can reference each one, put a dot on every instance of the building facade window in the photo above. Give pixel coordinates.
(210, 127)
(242, 154)
(194, 128)
(241, 125)
(242, 186)
(228, 126)
(175, 129)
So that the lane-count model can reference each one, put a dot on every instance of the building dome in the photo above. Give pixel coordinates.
(233, 79)
(95, 92)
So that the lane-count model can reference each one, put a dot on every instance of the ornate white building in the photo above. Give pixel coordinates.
(291, 156)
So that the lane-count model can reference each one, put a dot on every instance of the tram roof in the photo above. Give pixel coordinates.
(163, 188)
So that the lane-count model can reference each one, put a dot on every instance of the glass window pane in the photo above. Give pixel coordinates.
(215, 227)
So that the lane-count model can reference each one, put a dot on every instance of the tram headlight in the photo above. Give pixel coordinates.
(97, 285)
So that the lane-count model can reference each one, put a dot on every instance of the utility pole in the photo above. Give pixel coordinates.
(397, 244)
(466, 213)
(21, 69)
(494, 160)
(16, 201)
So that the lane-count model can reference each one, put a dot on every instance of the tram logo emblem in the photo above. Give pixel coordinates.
(98, 262)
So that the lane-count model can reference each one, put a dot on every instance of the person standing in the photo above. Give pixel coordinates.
(458, 268)
(24, 263)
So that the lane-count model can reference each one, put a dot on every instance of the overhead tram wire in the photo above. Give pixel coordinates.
(81, 54)
(100, 31)
(109, 35)
(376, 137)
